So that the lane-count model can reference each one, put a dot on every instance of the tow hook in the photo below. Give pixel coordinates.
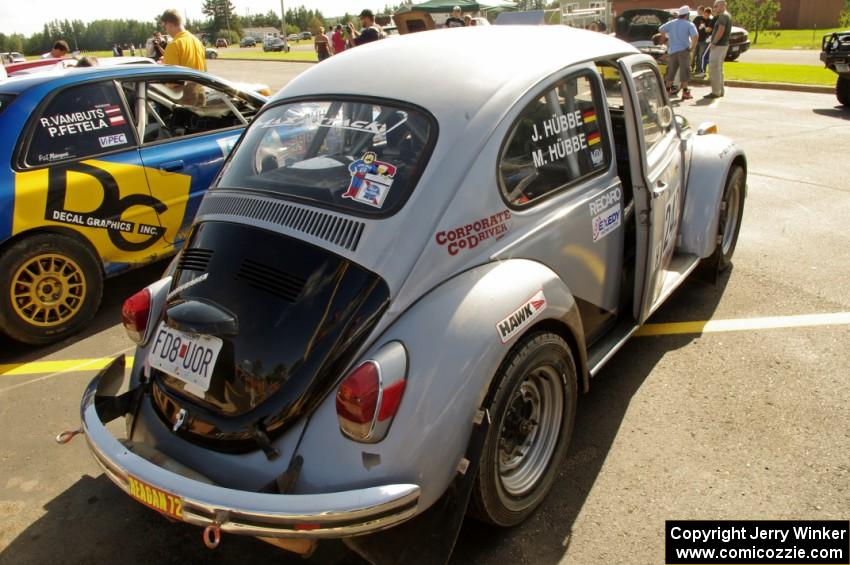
(212, 536)
(67, 436)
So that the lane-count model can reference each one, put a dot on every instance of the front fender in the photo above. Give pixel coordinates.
(711, 160)
(454, 351)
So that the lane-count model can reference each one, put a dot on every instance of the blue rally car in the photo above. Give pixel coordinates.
(101, 170)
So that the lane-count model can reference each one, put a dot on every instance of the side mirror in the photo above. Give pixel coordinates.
(682, 121)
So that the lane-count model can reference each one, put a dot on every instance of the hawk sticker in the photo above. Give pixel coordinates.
(370, 180)
(521, 317)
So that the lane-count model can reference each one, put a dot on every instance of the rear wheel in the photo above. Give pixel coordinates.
(532, 413)
(51, 286)
(842, 90)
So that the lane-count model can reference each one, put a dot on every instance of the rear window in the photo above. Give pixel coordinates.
(358, 156)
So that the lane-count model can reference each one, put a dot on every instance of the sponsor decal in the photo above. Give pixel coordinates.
(606, 222)
(588, 116)
(605, 201)
(54, 157)
(593, 139)
(112, 140)
(472, 234)
(521, 317)
(371, 180)
(597, 156)
(566, 137)
(187, 285)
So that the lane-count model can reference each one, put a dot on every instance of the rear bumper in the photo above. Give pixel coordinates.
(331, 515)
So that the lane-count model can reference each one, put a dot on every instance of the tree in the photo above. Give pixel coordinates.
(222, 14)
(844, 17)
(755, 15)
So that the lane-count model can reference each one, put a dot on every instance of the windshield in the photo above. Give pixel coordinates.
(362, 157)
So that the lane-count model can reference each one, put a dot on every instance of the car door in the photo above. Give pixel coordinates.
(187, 129)
(658, 178)
(79, 168)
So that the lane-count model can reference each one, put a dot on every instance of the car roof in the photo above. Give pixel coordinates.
(18, 85)
(462, 67)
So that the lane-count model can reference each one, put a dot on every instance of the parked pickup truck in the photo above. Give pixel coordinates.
(835, 54)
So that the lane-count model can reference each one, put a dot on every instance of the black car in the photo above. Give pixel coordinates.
(835, 54)
(638, 26)
(248, 42)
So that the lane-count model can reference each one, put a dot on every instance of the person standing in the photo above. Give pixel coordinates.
(338, 40)
(322, 45)
(369, 31)
(699, 23)
(185, 49)
(682, 37)
(158, 45)
(718, 47)
(454, 20)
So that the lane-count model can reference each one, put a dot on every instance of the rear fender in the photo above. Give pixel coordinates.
(454, 351)
(711, 160)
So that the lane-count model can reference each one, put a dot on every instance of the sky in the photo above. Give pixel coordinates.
(30, 16)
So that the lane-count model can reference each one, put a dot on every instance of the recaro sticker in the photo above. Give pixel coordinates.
(521, 317)
(371, 180)
(607, 213)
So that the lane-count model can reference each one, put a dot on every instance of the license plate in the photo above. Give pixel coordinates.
(190, 358)
(735, 49)
(842, 68)
(169, 504)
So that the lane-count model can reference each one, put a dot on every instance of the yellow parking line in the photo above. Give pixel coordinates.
(746, 324)
(67, 366)
(675, 328)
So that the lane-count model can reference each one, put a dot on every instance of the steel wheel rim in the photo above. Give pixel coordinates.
(731, 218)
(48, 290)
(541, 398)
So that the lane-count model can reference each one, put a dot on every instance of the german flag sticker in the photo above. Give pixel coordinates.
(593, 138)
(588, 116)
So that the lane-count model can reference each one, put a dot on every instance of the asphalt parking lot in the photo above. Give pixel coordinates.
(744, 417)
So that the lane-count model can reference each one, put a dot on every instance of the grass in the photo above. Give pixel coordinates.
(793, 74)
(791, 38)
(261, 55)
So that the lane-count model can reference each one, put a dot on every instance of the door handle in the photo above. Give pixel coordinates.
(171, 166)
(659, 189)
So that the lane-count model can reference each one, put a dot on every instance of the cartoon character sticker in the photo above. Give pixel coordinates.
(370, 180)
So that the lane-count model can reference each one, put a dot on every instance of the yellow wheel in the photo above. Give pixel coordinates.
(51, 287)
(48, 290)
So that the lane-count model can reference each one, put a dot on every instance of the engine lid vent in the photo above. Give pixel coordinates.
(336, 229)
(194, 260)
(270, 279)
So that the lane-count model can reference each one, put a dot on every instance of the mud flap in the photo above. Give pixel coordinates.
(430, 537)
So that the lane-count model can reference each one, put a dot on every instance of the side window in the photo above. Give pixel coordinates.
(81, 121)
(180, 108)
(656, 117)
(558, 139)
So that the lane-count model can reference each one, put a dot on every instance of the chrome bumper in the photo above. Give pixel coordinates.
(331, 515)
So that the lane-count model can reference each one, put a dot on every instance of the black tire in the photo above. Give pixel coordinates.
(50, 287)
(731, 213)
(842, 91)
(733, 57)
(510, 484)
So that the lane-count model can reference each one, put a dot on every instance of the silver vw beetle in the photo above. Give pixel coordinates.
(416, 258)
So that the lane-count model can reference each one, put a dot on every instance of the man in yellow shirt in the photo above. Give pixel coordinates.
(185, 49)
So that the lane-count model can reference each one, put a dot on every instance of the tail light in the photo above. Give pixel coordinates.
(135, 314)
(369, 396)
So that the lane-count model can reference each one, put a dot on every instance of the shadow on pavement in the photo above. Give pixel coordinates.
(838, 112)
(115, 291)
(545, 536)
(93, 521)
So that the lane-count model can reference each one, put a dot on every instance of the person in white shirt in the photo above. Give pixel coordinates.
(59, 51)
